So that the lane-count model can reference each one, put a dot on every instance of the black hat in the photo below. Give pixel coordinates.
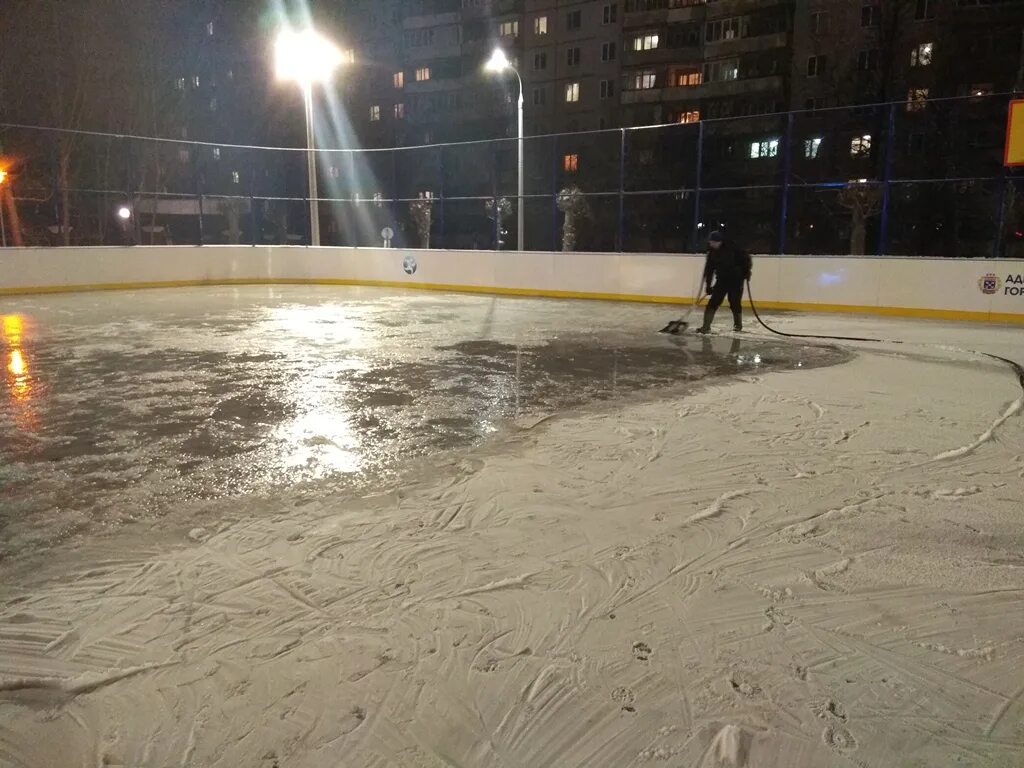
(716, 237)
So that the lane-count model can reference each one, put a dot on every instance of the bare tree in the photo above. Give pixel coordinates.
(864, 202)
(573, 204)
(421, 211)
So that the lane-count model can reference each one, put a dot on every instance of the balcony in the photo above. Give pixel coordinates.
(740, 46)
(705, 91)
(432, 20)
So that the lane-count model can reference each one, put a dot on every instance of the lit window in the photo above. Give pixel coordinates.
(398, 79)
(766, 148)
(422, 73)
(645, 42)
(812, 147)
(540, 25)
(860, 146)
(375, 113)
(572, 92)
(216, 153)
(195, 81)
(348, 56)
(540, 61)
(689, 116)
(815, 65)
(209, 29)
(686, 79)
(608, 51)
(611, 13)
(213, 104)
(335, 172)
(571, 163)
(921, 56)
(916, 98)
(399, 111)
(236, 177)
(508, 29)
(645, 80)
(607, 89)
(378, 199)
(180, 83)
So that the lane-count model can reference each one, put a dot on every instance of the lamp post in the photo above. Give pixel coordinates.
(306, 57)
(499, 63)
(3, 224)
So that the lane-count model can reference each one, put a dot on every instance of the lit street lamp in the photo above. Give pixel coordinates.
(499, 63)
(307, 58)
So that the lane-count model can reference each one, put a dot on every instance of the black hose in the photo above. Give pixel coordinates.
(1017, 367)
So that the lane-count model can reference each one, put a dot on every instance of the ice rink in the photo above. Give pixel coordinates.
(317, 527)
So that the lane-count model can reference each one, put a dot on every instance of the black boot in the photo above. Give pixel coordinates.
(709, 317)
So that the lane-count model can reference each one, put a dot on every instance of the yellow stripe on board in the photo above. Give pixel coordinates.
(934, 314)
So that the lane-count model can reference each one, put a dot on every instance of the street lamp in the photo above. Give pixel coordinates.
(499, 63)
(124, 213)
(307, 58)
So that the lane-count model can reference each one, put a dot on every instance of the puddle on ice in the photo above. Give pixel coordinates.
(122, 406)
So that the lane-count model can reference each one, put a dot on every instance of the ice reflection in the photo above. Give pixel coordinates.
(320, 440)
(19, 381)
(160, 406)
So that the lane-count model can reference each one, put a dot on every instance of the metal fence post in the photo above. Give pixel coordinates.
(441, 195)
(696, 192)
(883, 225)
(199, 195)
(787, 155)
(997, 241)
(554, 195)
(621, 237)
(252, 197)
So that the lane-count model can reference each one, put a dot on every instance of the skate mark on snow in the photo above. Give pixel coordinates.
(717, 505)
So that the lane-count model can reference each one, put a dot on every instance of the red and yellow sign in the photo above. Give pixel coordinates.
(1015, 134)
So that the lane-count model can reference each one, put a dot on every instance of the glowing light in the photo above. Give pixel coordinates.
(498, 62)
(16, 365)
(124, 213)
(3, 175)
(13, 326)
(305, 56)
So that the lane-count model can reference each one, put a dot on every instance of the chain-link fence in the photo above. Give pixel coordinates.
(906, 178)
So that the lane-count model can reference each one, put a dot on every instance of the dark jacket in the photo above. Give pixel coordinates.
(730, 264)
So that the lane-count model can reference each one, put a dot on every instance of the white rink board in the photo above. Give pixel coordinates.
(952, 288)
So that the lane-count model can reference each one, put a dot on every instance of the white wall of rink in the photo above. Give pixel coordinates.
(924, 287)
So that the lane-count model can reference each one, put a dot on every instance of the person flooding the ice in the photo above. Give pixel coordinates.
(727, 267)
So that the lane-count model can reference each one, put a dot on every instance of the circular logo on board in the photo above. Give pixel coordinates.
(409, 265)
(990, 284)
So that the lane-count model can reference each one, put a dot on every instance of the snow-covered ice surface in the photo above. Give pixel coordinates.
(770, 568)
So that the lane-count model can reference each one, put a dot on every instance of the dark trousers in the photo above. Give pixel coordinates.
(733, 290)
